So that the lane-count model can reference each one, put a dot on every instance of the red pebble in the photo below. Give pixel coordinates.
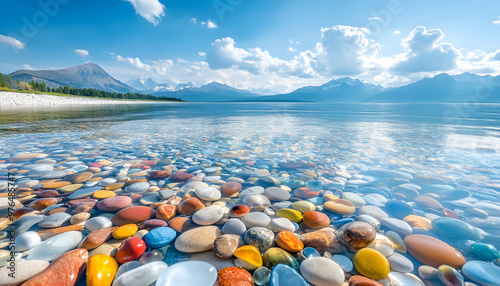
(132, 248)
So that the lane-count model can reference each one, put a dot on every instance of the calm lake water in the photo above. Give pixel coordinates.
(389, 135)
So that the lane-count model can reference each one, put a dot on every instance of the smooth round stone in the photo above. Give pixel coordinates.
(114, 203)
(370, 220)
(256, 219)
(275, 255)
(454, 228)
(142, 274)
(103, 194)
(234, 226)
(314, 219)
(279, 224)
(137, 188)
(261, 276)
(131, 249)
(208, 193)
(282, 205)
(482, 273)
(107, 181)
(449, 276)
(284, 275)
(233, 276)
(340, 222)
(132, 214)
(371, 263)
(208, 215)
(340, 206)
(182, 274)
(26, 241)
(428, 272)
(230, 188)
(396, 239)
(418, 221)
(321, 271)
(397, 225)
(485, 251)
(226, 244)
(289, 241)
(291, 214)
(276, 194)
(101, 270)
(400, 263)
(54, 220)
(24, 270)
(125, 231)
(432, 251)
(98, 223)
(382, 244)
(356, 200)
(190, 206)
(151, 256)
(308, 252)
(491, 209)
(55, 246)
(303, 206)
(83, 193)
(399, 209)
(159, 237)
(344, 262)
(250, 256)
(165, 194)
(239, 211)
(408, 279)
(260, 237)
(26, 222)
(197, 240)
(373, 211)
(192, 186)
(356, 234)
(257, 202)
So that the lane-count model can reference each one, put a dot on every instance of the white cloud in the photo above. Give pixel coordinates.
(496, 56)
(151, 10)
(497, 21)
(397, 32)
(82, 53)
(374, 18)
(202, 54)
(209, 23)
(193, 20)
(344, 50)
(28, 67)
(12, 42)
(160, 67)
(290, 49)
(426, 52)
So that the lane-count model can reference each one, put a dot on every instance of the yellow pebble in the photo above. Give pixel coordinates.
(371, 263)
(303, 206)
(125, 231)
(103, 194)
(292, 215)
(249, 254)
(101, 270)
(70, 188)
(114, 186)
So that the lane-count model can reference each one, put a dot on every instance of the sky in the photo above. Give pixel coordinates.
(262, 46)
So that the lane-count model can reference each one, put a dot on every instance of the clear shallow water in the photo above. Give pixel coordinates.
(458, 144)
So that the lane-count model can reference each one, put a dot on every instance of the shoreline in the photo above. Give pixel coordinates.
(17, 99)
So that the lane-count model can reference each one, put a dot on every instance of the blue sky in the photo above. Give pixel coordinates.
(266, 46)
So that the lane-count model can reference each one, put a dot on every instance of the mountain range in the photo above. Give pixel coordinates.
(465, 87)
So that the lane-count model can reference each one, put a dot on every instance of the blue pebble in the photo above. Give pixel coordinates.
(296, 225)
(341, 222)
(316, 201)
(159, 237)
(482, 273)
(344, 262)
(284, 275)
(308, 252)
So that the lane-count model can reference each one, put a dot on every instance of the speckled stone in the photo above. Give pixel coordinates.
(198, 239)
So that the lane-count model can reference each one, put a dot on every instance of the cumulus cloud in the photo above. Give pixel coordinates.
(160, 67)
(426, 52)
(497, 21)
(28, 67)
(496, 56)
(12, 42)
(210, 24)
(82, 53)
(151, 10)
(344, 50)
(397, 32)
(193, 20)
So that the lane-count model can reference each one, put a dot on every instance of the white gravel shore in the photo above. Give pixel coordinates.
(12, 99)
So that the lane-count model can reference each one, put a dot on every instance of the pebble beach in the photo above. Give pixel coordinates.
(178, 204)
(16, 99)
